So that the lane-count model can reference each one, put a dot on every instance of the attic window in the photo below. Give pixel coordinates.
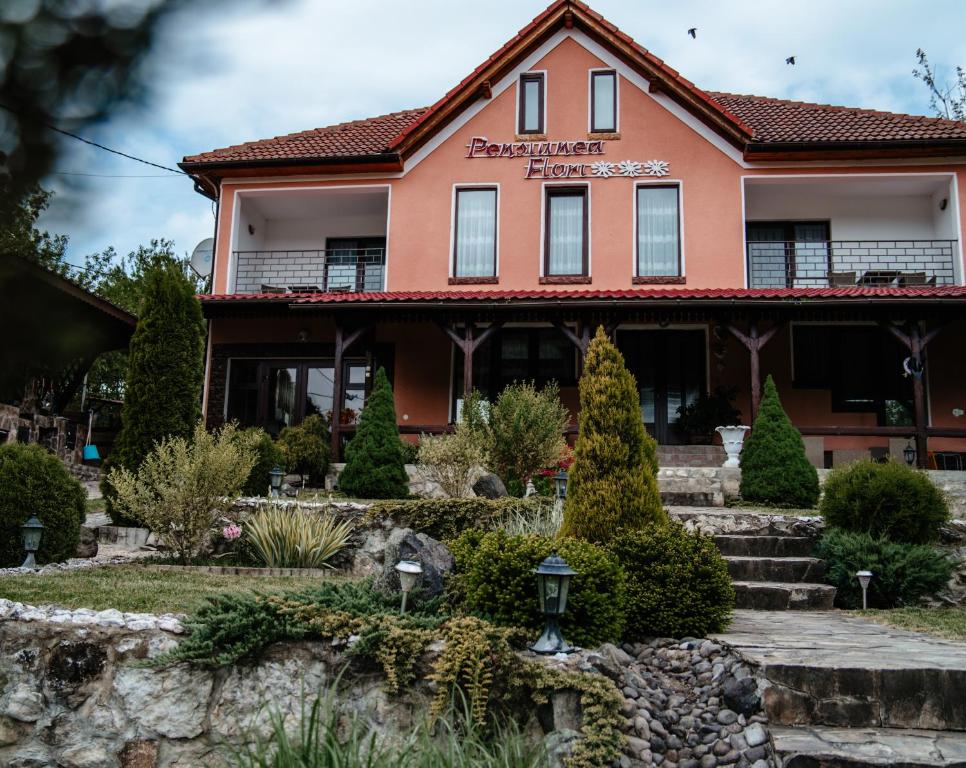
(603, 101)
(531, 113)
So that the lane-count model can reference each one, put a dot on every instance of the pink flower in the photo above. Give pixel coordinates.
(231, 532)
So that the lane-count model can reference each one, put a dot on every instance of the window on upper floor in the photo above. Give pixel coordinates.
(658, 230)
(565, 232)
(531, 110)
(603, 101)
(474, 232)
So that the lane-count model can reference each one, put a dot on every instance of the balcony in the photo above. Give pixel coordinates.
(840, 263)
(349, 270)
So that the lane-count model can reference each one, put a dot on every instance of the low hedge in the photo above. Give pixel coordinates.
(269, 456)
(35, 482)
(494, 579)
(448, 518)
(901, 573)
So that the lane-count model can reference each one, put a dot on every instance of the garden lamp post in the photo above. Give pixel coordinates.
(909, 453)
(32, 531)
(275, 478)
(409, 572)
(560, 484)
(553, 584)
(864, 578)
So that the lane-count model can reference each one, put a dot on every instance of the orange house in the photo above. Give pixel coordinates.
(575, 180)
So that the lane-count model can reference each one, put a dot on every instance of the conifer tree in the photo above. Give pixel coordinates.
(374, 462)
(613, 479)
(774, 468)
(162, 393)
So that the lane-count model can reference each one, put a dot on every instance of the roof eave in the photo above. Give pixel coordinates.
(837, 150)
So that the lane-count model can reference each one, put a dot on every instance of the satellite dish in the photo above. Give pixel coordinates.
(201, 257)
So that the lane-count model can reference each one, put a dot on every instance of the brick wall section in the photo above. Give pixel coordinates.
(278, 269)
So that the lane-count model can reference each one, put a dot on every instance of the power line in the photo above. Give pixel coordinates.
(116, 176)
(95, 144)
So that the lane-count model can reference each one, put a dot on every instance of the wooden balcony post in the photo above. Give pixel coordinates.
(342, 342)
(753, 342)
(468, 344)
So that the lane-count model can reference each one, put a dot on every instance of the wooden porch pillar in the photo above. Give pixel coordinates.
(468, 343)
(915, 341)
(342, 342)
(753, 341)
(581, 339)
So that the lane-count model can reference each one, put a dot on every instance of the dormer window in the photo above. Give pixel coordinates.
(603, 101)
(530, 117)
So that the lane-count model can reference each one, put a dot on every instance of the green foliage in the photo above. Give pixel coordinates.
(452, 459)
(165, 371)
(494, 579)
(374, 467)
(902, 573)
(448, 518)
(890, 499)
(708, 412)
(267, 456)
(19, 235)
(613, 479)
(305, 448)
(410, 450)
(281, 537)
(774, 468)
(677, 582)
(34, 482)
(525, 430)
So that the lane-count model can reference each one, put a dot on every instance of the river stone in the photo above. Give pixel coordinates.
(405, 544)
(755, 735)
(742, 695)
(489, 486)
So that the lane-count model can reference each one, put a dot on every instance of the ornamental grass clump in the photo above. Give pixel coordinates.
(375, 466)
(613, 478)
(774, 467)
(183, 488)
(282, 537)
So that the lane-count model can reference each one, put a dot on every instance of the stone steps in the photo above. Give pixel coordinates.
(775, 569)
(690, 455)
(765, 546)
(825, 747)
(783, 596)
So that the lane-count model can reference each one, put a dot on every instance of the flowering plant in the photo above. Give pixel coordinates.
(231, 531)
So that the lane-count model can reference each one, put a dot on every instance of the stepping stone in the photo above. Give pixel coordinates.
(782, 596)
(782, 569)
(813, 746)
(765, 546)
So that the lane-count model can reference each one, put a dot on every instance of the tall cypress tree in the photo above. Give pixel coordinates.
(165, 372)
(774, 467)
(613, 480)
(374, 463)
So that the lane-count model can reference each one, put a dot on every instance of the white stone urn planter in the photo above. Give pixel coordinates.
(732, 438)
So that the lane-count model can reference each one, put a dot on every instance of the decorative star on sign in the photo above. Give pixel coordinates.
(602, 168)
(656, 167)
(629, 168)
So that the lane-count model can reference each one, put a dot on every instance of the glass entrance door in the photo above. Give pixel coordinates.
(670, 368)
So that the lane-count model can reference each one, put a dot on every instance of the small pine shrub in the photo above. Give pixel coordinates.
(902, 573)
(268, 456)
(677, 582)
(890, 499)
(305, 448)
(613, 478)
(34, 482)
(774, 468)
(448, 518)
(493, 579)
(374, 463)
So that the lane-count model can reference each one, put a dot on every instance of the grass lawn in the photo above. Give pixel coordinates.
(96, 505)
(945, 622)
(137, 590)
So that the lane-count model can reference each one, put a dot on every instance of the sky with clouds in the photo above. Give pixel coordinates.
(236, 72)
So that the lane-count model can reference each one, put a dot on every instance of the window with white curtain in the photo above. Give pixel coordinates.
(474, 248)
(603, 102)
(566, 231)
(658, 231)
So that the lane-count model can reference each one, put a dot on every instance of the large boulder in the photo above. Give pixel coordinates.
(405, 544)
(489, 486)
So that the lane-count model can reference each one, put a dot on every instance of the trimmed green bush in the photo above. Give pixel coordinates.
(902, 573)
(494, 579)
(162, 392)
(613, 479)
(305, 448)
(890, 499)
(448, 518)
(34, 482)
(268, 456)
(774, 468)
(374, 462)
(677, 582)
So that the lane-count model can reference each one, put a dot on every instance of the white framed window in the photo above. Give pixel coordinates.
(566, 228)
(657, 213)
(475, 212)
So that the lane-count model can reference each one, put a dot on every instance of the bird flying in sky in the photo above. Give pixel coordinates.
(790, 60)
(693, 32)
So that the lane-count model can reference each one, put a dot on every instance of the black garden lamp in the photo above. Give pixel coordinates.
(909, 453)
(560, 484)
(275, 478)
(32, 531)
(553, 584)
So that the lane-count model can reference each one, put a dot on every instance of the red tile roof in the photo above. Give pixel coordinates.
(629, 294)
(778, 120)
